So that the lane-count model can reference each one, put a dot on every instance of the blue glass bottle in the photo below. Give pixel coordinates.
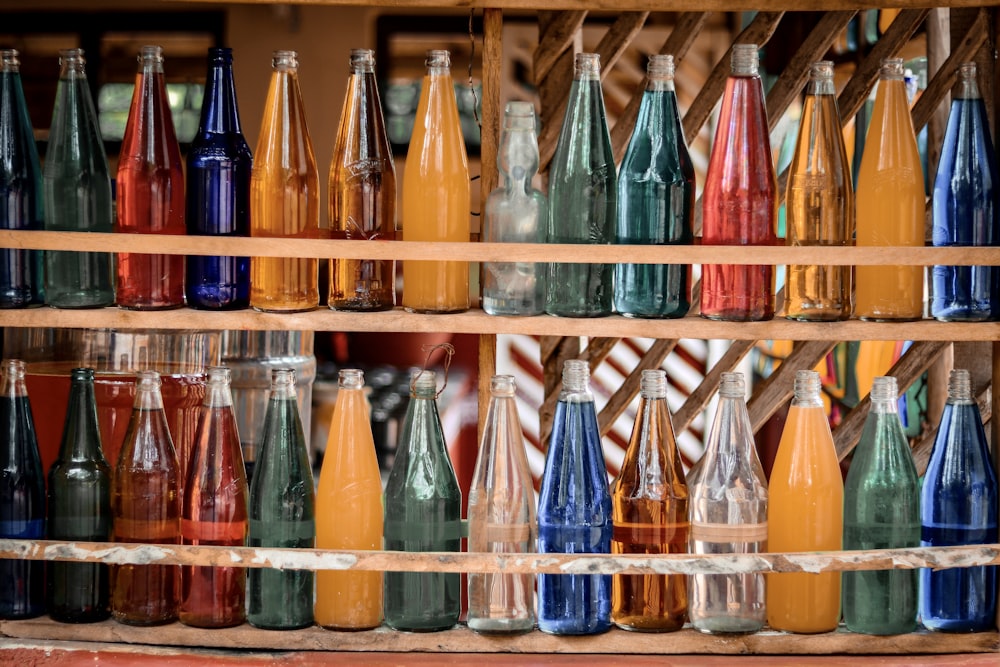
(655, 200)
(574, 512)
(218, 192)
(20, 189)
(958, 506)
(964, 208)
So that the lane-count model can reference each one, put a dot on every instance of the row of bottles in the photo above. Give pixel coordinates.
(725, 505)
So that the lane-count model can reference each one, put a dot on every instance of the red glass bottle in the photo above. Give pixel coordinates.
(150, 192)
(740, 198)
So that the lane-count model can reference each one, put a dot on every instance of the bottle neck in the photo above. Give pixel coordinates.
(968, 87)
(517, 157)
(351, 379)
(653, 385)
(660, 73)
(217, 391)
(10, 63)
(821, 79)
(147, 391)
(423, 385)
(72, 64)
(438, 63)
(576, 382)
(807, 390)
(959, 386)
(150, 60)
(13, 379)
(587, 67)
(884, 396)
(283, 383)
(219, 113)
(745, 61)
(502, 386)
(84, 443)
(362, 62)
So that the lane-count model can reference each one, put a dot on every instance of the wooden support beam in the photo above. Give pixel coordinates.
(489, 132)
(619, 401)
(774, 391)
(557, 33)
(553, 65)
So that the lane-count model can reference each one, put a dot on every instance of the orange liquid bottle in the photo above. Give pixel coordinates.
(890, 204)
(436, 194)
(284, 195)
(805, 513)
(349, 511)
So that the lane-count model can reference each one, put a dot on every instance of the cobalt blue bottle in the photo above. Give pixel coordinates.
(218, 192)
(574, 512)
(958, 506)
(964, 208)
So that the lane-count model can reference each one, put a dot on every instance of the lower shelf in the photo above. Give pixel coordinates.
(462, 640)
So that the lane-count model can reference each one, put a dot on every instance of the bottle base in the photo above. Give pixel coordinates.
(435, 311)
(735, 316)
(142, 306)
(264, 625)
(80, 618)
(578, 314)
(142, 622)
(421, 629)
(361, 308)
(492, 626)
(281, 311)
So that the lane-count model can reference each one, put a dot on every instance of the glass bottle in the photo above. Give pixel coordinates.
(740, 202)
(582, 196)
(881, 511)
(574, 511)
(728, 500)
(282, 512)
(146, 506)
(805, 513)
(362, 193)
(349, 502)
(819, 205)
(20, 188)
(79, 509)
(656, 193)
(516, 212)
(890, 204)
(218, 191)
(436, 198)
(150, 187)
(284, 195)
(423, 512)
(76, 187)
(958, 506)
(649, 509)
(214, 510)
(964, 208)
(502, 517)
(22, 496)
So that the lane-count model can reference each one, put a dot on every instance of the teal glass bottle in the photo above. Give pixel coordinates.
(423, 512)
(282, 512)
(76, 187)
(655, 201)
(582, 197)
(881, 511)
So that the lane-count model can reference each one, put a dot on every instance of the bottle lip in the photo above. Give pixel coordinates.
(9, 59)
(74, 53)
(891, 69)
(660, 64)
(732, 385)
(284, 59)
(351, 378)
(503, 384)
(438, 58)
(744, 59)
(151, 52)
(219, 374)
(14, 367)
(282, 374)
(520, 109)
(884, 388)
(224, 53)
(82, 373)
(147, 378)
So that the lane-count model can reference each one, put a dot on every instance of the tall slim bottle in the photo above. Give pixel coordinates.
(819, 205)
(649, 510)
(574, 511)
(890, 204)
(423, 512)
(740, 201)
(805, 513)
(436, 199)
(146, 506)
(362, 193)
(516, 212)
(215, 510)
(20, 188)
(79, 509)
(282, 512)
(728, 501)
(76, 187)
(881, 511)
(501, 517)
(150, 189)
(958, 506)
(965, 208)
(22, 496)
(218, 192)
(284, 195)
(582, 196)
(349, 504)
(655, 201)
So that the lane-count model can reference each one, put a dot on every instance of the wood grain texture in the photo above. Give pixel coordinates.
(492, 110)
(771, 395)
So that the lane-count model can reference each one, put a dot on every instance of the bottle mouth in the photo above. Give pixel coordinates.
(9, 59)
(438, 58)
(223, 53)
(892, 69)
(151, 52)
(284, 60)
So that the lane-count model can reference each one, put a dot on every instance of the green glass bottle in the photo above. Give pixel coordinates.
(881, 511)
(282, 512)
(79, 508)
(423, 511)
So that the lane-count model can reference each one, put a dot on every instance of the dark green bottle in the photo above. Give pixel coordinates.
(423, 512)
(79, 508)
(282, 512)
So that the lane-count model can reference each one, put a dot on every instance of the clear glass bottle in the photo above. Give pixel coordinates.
(728, 501)
(362, 193)
(76, 186)
(574, 511)
(582, 197)
(501, 517)
(649, 510)
(740, 201)
(958, 506)
(881, 511)
(656, 193)
(819, 205)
